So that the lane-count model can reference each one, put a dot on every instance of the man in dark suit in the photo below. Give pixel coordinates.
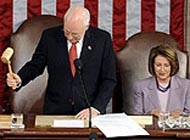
(64, 93)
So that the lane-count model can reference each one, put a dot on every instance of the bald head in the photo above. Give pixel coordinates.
(77, 14)
(76, 22)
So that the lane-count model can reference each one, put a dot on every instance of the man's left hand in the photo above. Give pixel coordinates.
(84, 114)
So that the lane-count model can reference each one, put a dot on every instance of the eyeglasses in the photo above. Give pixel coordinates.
(67, 33)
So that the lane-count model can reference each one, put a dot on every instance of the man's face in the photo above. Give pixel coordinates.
(74, 31)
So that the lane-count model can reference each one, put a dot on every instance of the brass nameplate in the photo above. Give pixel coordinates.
(48, 120)
(5, 121)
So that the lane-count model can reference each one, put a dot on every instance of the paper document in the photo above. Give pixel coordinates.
(118, 125)
(68, 123)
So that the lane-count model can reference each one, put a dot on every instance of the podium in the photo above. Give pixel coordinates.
(33, 131)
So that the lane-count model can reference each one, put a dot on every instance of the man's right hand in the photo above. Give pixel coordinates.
(13, 80)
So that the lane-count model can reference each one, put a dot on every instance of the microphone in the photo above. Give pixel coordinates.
(79, 65)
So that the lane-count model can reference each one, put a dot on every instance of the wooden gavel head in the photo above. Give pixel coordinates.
(7, 54)
(5, 58)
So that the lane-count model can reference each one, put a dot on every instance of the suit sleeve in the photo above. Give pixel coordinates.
(187, 99)
(138, 99)
(107, 77)
(36, 65)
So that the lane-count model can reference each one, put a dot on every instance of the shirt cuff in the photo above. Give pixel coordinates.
(95, 110)
(18, 85)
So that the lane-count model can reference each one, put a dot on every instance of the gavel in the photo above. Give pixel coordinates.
(5, 58)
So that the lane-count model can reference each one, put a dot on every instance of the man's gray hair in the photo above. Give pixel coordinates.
(87, 17)
(86, 14)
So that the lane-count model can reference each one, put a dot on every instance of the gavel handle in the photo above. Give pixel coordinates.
(10, 71)
(9, 67)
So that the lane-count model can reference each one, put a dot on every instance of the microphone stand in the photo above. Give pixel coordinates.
(89, 106)
(78, 65)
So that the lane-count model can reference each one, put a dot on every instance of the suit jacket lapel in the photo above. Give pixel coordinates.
(152, 94)
(88, 45)
(61, 44)
(174, 92)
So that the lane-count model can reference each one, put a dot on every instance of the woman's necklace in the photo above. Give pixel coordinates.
(161, 88)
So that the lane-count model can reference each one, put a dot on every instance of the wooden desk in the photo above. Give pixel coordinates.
(32, 133)
(47, 133)
(50, 134)
(1, 135)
